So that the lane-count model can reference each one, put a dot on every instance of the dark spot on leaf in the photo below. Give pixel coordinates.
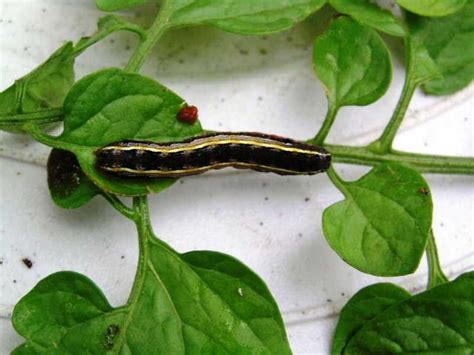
(263, 51)
(64, 172)
(244, 51)
(423, 191)
(28, 263)
(112, 331)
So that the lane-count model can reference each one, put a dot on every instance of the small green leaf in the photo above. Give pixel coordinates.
(112, 105)
(113, 5)
(432, 7)
(364, 306)
(382, 226)
(437, 321)
(448, 41)
(42, 89)
(370, 14)
(243, 17)
(68, 185)
(197, 303)
(353, 63)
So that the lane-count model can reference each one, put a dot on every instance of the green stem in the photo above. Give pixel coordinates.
(385, 142)
(436, 276)
(423, 163)
(336, 180)
(120, 206)
(152, 35)
(35, 131)
(327, 124)
(39, 117)
(145, 231)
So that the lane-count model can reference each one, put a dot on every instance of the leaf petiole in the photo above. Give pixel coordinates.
(45, 116)
(327, 124)
(120, 206)
(159, 26)
(436, 276)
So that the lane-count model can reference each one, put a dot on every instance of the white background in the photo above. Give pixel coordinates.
(271, 223)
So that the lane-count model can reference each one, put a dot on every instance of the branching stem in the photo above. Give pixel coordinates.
(120, 206)
(152, 35)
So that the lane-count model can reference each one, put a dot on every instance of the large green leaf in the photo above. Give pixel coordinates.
(382, 226)
(432, 7)
(353, 63)
(243, 16)
(448, 41)
(42, 89)
(112, 105)
(68, 185)
(437, 321)
(370, 14)
(197, 303)
(364, 306)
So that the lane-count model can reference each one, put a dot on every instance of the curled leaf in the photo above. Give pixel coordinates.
(68, 185)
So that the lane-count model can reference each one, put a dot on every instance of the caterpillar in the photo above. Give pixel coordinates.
(256, 151)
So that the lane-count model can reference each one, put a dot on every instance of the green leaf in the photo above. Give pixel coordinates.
(353, 63)
(437, 321)
(364, 306)
(42, 89)
(113, 5)
(197, 303)
(448, 41)
(249, 17)
(112, 105)
(382, 226)
(370, 14)
(68, 185)
(432, 7)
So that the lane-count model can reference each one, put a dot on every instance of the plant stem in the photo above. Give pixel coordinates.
(327, 124)
(35, 131)
(40, 117)
(152, 35)
(385, 142)
(423, 163)
(436, 276)
(120, 206)
(336, 180)
(144, 229)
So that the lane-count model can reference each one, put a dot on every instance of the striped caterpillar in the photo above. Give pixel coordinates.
(256, 151)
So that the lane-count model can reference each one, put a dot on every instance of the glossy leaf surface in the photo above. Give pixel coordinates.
(352, 62)
(200, 302)
(432, 7)
(382, 226)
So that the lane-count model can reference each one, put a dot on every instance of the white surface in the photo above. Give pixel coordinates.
(262, 219)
